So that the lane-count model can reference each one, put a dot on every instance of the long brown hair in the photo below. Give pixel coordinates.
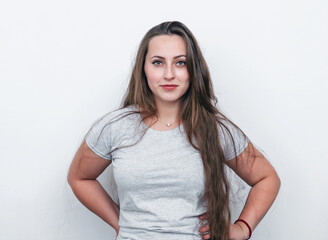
(202, 121)
(200, 116)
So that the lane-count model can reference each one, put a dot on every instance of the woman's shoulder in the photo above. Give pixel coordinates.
(120, 113)
(119, 118)
(115, 123)
(232, 139)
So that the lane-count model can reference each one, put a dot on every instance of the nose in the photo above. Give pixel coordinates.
(168, 72)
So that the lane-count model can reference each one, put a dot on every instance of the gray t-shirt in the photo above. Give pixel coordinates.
(160, 180)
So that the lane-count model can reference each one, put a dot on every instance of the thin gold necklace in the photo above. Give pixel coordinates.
(168, 124)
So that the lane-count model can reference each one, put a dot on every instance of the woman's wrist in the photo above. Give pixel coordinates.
(244, 226)
(117, 230)
(244, 229)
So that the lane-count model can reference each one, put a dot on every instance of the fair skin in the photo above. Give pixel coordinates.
(165, 64)
(265, 183)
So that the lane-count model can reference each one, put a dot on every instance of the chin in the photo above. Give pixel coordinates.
(169, 100)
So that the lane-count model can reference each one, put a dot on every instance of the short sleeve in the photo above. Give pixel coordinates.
(239, 138)
(99, 138)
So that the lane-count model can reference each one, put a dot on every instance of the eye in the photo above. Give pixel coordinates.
(181, 63)
(156, 62)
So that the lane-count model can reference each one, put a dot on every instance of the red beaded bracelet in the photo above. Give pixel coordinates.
(249, 228)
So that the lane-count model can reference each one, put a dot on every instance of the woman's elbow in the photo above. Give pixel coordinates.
(278, 181)
(275, 181)
(72, 176)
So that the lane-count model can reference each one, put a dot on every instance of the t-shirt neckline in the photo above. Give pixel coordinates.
(158, 131)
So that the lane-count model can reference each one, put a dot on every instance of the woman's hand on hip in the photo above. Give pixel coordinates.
(236, 231)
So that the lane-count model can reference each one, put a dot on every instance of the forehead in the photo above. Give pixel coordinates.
(167, 45)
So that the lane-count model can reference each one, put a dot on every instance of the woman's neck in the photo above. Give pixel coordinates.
(168, 112)
(168, 116)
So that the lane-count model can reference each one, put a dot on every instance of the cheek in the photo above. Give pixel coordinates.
(183, 75)
(152, 75)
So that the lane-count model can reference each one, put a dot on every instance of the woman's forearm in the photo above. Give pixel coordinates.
(260, 199)
(92, 195)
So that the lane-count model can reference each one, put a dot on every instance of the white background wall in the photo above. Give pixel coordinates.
(63, 64)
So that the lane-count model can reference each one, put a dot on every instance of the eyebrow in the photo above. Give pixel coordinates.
(164, 57)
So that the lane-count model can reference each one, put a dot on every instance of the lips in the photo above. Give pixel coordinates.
(169, 86)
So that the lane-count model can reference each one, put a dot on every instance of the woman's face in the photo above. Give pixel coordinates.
(165, 68)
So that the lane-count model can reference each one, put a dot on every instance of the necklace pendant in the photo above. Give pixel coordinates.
(168, 124)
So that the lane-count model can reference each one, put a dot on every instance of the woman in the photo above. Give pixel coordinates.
(169, 145)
